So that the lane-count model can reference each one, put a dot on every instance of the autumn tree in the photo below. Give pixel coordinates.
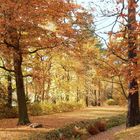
(133, 117)
(40, 70)
(25, 28)
(125, 13)
(28, 27)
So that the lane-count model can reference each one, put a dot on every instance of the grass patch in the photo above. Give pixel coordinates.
(67, 131)
(115, 121)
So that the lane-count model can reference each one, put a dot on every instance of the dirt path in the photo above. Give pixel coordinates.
(61, 119)
(109, 134)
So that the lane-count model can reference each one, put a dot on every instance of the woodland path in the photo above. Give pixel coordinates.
(61, 119)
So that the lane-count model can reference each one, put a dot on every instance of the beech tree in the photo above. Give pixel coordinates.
(31, 26)
(133, 116)
(130, 39)
(127, 50)
(24, 27)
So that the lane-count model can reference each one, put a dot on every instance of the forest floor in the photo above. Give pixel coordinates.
(60, 119)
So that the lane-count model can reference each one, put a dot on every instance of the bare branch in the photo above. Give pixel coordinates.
(8, 44)
(123, 91)
(4, 67)
(36, 50)
(113, 52)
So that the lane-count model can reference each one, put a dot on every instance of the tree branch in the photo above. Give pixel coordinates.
(3, 67)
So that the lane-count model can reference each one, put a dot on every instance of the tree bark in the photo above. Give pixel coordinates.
(22, 108)
(133, 115)
(10, 90)
(95, 94)
(12, 38)
(87, 98)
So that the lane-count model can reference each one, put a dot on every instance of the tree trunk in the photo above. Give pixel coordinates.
(112, 88)
(67, 98)
(95, 94)
(43, 90)
(99, 94)
(22, 108)
(133, 115)
(87, 99)
(48, 89)
(12, 39)
(77, 95)
(9, 102)
(43, 82)
(49, 79)
(123, 90)
(26, 86)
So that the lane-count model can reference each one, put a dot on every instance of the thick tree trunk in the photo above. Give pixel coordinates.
(133, 115)
(23, 115)
(10, 90)
(12, 38)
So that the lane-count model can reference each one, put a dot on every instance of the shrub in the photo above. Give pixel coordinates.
(93, 130)
(121, 100)
(68, 106)
(11, 112)
(45, 108)
(35, 109)
(6, 112)
(77, 131)
(101, 125)
(111, 102)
